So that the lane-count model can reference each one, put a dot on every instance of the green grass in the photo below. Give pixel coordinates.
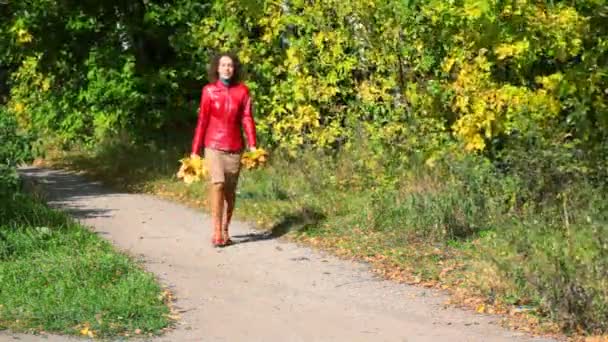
(57, 276)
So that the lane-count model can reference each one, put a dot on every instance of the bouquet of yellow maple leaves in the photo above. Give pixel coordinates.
(254, 159)
(192, 169)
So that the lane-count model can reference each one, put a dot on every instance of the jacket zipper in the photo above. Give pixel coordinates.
(228, 99)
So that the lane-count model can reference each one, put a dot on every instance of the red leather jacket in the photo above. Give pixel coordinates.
(223, 111)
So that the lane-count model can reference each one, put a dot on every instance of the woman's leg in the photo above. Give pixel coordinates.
(230, 198)
(217, 199)
(232, 163)
(216, 192)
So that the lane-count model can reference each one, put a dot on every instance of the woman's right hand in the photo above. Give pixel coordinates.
(194, 155)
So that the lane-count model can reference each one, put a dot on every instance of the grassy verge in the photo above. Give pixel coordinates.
(462, 226)
(56, 276)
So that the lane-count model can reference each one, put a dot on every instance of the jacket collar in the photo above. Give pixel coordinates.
(221, 84)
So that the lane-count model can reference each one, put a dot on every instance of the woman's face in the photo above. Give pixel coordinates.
(225, 68)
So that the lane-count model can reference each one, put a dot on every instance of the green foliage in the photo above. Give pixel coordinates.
(556, 260)
(477, 70)
(15, 148)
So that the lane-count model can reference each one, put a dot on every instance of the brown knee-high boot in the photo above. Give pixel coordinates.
(217, 211)
(230, 197)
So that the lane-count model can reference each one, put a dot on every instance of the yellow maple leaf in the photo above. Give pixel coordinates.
(254, 159)
(192, 169)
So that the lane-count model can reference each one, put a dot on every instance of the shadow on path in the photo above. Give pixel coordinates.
(301, 219)
(63, 190)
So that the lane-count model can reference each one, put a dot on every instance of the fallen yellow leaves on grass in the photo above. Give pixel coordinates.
(86, 331)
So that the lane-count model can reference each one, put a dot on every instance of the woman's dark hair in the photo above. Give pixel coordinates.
(215, 62)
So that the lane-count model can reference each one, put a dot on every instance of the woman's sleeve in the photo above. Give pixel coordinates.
(201, 126)
(247, 120)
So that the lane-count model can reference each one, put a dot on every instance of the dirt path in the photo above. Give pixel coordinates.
(260, 289)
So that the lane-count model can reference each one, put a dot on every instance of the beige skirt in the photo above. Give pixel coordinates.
(224, 167)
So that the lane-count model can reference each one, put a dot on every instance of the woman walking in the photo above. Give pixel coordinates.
(225, 108)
